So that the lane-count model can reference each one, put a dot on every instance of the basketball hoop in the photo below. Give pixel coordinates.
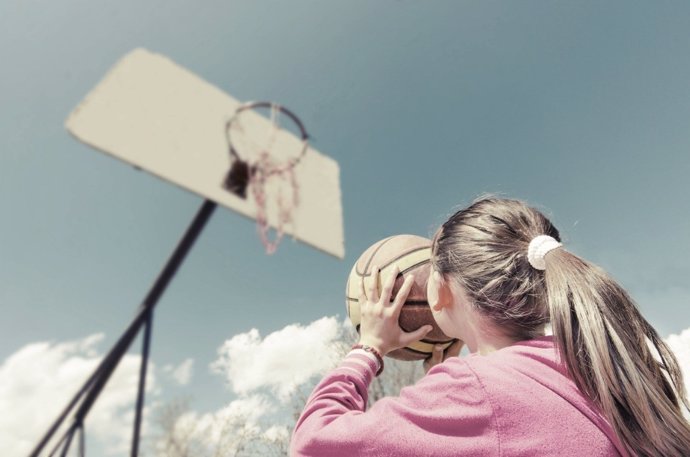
(130, 115)
(255, 165)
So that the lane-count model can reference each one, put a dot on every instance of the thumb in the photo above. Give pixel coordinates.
(437, 355)
(434, 359)
(416, 335)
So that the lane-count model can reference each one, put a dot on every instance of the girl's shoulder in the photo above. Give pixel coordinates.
(528, 390)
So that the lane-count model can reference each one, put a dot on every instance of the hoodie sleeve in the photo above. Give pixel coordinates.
(446, 409)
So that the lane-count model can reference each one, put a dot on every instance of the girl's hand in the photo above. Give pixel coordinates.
(439, 355)
(379, 327)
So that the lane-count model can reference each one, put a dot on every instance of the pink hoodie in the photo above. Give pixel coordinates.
(517, 401)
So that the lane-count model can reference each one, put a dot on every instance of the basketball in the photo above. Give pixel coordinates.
(411, 253)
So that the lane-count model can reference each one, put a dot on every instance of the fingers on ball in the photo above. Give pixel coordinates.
(403, 293)
(362, 292)
(390, 284)
(372, 289)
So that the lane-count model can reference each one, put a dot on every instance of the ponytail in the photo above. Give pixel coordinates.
(612, 353)
(616, 357)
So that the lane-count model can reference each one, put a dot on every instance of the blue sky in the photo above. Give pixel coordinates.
(581, 108)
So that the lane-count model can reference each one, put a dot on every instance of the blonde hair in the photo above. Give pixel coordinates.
(612, 353)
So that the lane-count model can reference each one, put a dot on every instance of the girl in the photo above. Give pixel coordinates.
(604, 384)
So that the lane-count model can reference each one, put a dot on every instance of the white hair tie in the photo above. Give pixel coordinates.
(538, 248)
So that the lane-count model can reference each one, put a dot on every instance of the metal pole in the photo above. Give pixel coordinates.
(98, 379)
(142, 383)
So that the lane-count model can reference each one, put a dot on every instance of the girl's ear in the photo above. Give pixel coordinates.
(438, 292)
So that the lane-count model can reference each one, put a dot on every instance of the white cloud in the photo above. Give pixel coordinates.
(222, 432)
(277, 433)
(245, 411)
(263, 373)
(182, 374)
(283, 360)
(38, 380)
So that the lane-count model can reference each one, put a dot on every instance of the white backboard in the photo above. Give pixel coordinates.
(157, 116)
